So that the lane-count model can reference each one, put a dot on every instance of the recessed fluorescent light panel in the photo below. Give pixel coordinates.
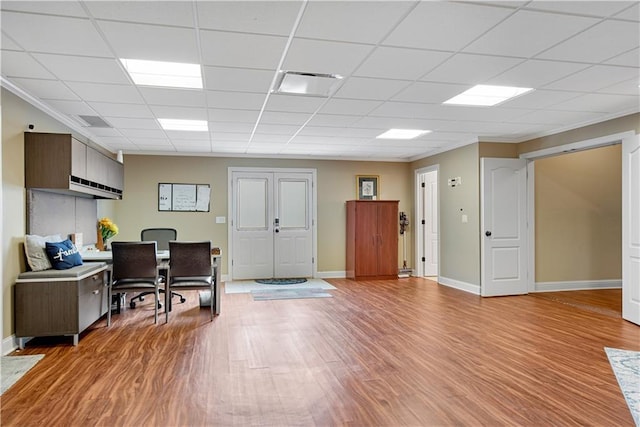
(309, 84)
(402, 134)
(166, 74)
(188, 125)
(487, 96)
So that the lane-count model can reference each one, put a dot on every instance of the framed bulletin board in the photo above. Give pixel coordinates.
(184, 197)
(367, 187)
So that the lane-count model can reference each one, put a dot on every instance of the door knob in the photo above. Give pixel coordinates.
(487, 233)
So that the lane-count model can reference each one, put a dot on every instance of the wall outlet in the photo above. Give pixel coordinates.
(221, 220)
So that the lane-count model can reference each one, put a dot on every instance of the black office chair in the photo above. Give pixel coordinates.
(161, 236)
(191, 268)
(134, 269)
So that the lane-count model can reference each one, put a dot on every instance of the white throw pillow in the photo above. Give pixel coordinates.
(34, 247)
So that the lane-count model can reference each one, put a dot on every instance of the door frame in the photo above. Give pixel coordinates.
(314, 209)
(418, 237)
(531, 156)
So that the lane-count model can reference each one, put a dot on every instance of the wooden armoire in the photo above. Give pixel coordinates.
(372, 239)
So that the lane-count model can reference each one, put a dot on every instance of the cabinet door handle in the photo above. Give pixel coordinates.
(96, 292)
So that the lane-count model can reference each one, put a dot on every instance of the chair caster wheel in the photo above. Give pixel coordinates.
(132, 304)
(182, 300)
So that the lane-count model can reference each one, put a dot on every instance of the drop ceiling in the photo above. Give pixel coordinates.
(399, 60)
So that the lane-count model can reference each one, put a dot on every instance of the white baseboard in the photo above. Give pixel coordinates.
(9, 344)
(331, 274)
(457, 284)
(578, 285)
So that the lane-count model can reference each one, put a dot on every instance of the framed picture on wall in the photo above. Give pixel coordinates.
(367, 187)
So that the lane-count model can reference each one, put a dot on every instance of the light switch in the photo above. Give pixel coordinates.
(465, 219)
(221, 220)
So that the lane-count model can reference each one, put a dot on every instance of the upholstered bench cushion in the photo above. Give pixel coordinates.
(74, 273)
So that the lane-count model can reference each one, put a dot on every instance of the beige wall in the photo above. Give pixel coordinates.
(16, 115)
(336, 184)
(459, 242)
(578, 211)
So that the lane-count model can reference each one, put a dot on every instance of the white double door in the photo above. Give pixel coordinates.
(272, 224)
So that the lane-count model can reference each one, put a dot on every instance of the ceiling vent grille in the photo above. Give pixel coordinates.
(94, 122)
(306, 84)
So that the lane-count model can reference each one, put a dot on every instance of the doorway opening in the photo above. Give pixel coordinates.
(427, 223)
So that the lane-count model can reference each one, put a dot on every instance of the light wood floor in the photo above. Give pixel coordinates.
(380, 353)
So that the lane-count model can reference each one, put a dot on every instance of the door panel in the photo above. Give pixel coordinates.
(503, 225)
(294, 235)
(366, 235)
(430, 209)
(631, 229)
(252, 226)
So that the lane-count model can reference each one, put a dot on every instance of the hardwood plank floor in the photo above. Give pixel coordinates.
(403, 352)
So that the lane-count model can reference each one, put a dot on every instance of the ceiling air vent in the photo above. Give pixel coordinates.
(95, 122)
(306, 84)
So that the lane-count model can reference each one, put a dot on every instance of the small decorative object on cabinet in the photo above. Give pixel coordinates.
(372, 239)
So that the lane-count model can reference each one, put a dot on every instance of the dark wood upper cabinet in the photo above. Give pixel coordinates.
(63, 164)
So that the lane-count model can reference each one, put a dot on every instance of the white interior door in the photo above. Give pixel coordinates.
(293, 236)
(631, 229)
(272, 225)
(252, 224)
(430, 226)
(503, 187)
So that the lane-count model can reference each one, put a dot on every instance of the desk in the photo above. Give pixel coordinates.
(163, 256)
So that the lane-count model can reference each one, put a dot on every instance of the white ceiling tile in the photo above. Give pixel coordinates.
(54, 34)
(183, 135)
(241, 116)
(630, 59)
(139, 136)
(445, 25)
(130, 123)
(46, 89)
(539, 99)
(368, 88)
(173, 96)
(63, 8)
(400, 63)
(284, 118)
(315, 56)
(332, 120)
(400, 109)
(334, 20)
(260, 17)
(267, 128)
(430, 93)
(361, 132)
(628, 87)
(603, 41)
(513, 37)
(83, 69)
(121, 110)
(194, 148)
(143, 140)
(600, 103)
(20, 64)
(235, 100)
(151, 42)
(106, 92)
(593, 8)
(294, 104)
(115, 142)
(320, 131)
(71, 107)
(236, 138)
(373, 122)
(175, 112)
(106, 132)
(594, 78)
(262, 138)
(238, 79)
(179, 13)
(8, 44)
(470, 69)
(349, 106)
(632, 13)
(535, 74)
(230, 49)
(555, 117)
(231, 127)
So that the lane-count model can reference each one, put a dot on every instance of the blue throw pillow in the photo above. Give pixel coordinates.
(63, 255)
